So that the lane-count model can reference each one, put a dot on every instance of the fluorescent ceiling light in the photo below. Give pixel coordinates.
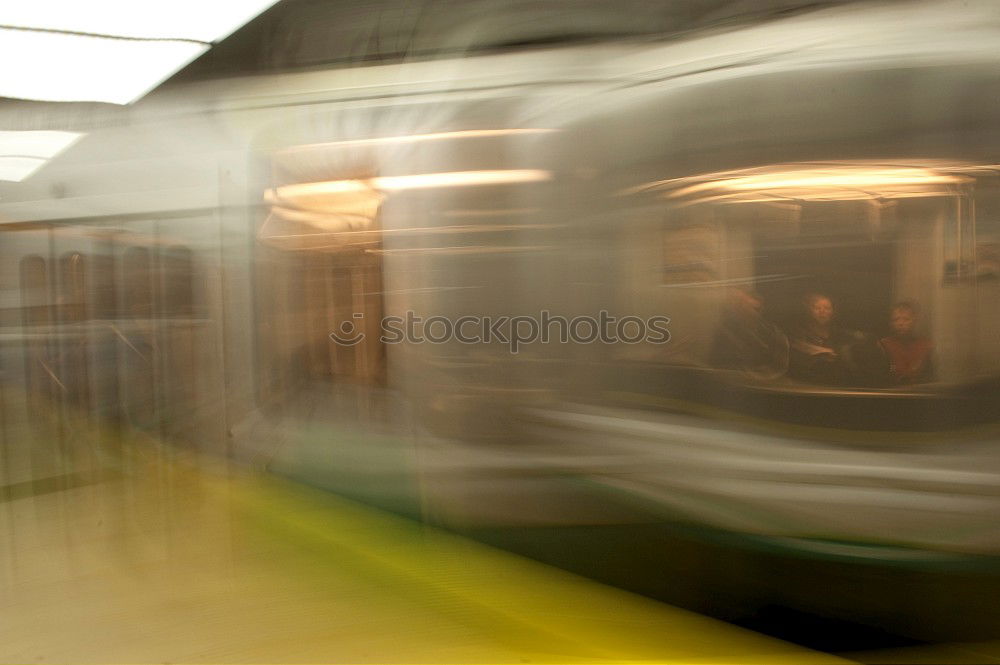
(60, 67)
(44, 144)
(16, 169)
(23, 153)
(197, 20)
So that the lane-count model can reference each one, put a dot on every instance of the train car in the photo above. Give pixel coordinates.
(326, 274)
(726, 193)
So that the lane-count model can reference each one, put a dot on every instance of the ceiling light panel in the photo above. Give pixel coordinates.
(23, 153)
(61, 67)
(42, 144)
(16, 169)
(198, 20)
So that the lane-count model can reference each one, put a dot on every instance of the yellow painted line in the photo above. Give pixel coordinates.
(551, 614)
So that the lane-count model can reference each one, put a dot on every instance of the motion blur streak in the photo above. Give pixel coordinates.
(392, 140)
(266, 274)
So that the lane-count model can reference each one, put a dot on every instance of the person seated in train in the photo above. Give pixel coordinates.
(821, 351)
(746, 341)
(908, 354)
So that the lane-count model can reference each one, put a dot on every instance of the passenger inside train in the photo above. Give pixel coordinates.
(835, 258)
(747, 341)
(818, 350)
(822, 349)
(908, 354)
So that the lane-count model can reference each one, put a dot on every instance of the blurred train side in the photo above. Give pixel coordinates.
(132, 267)
(145, 290)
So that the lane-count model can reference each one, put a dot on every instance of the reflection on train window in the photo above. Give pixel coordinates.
(72, 365)
(35, 315)
(34, 291)
(72, 288)
(137, 351)
(691, 253)
(177, 285)
(137, 296)
(177, 344)
(104, 287)
(319, 279)
(303, 297)
(837, 275)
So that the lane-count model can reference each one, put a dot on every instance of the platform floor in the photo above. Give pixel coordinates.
(154, 557)
(163, 560)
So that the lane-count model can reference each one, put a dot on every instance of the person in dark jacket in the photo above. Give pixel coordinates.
(746, 341)
(820, 349)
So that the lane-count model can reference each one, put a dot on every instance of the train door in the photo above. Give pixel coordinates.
(319, 291)
(73, 248)
(320, 309)
(47, 391)
(36, 432)
(161, 339)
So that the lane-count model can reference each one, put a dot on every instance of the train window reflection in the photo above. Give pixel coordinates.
(138, 284)
(35, 314)
(137, 350)
(105, 292)
(319, 280)
(72, 366)
(177, 284)
(72, 288)
(34, 291)
(857, 278)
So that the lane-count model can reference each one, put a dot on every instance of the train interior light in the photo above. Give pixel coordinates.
(320, 209)
(820, 182)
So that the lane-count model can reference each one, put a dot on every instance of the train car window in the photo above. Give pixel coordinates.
(959, 241)
(104, 293)
(72, 288)
(137, 351)
(318, 284)
(983, 238)
(857, 278)
(691, 254)
(35, 316)
(177, 344)
(137, 295)
(177, 283)
(72, 366)
(35, 297)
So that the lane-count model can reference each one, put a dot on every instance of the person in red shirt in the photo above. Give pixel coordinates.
(909, 355)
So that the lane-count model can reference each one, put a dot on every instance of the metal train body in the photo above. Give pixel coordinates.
(177, 275)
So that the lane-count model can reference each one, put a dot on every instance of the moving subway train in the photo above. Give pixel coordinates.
(707, 311)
